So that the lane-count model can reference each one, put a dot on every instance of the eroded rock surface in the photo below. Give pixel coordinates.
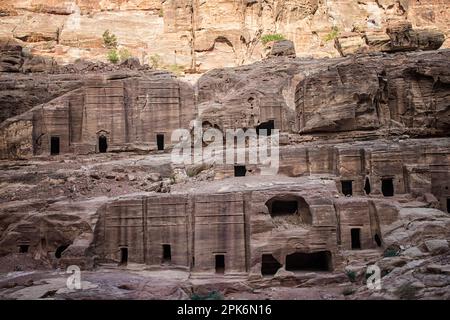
(202, 35)
(87, 177)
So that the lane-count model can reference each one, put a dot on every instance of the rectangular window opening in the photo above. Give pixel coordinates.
(347, 187)
(123, 256)
(356, 238)
(167, 253)
(240, 171)
(160, 141)
(220, 263)
(23, 248)
(387, 187)
(54, 146)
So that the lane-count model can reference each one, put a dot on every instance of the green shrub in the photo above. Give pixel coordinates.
(124, 54)
(175, 68)
(109, 40)
(390, 252)
(113, 56)
(351, 275)
(272, 37)
(213, 295)
(161, 13)
(332, 35)
(155, 61)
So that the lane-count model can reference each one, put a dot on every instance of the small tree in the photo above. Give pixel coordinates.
(155, 61)
(124, 54)
(109, 40)
(332, 35)
(113, 56)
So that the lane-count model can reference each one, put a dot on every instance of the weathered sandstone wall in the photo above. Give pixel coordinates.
(202, 35)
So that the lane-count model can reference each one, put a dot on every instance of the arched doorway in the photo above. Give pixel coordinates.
(102, 144)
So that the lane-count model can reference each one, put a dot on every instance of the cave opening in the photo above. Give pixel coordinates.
(356, 238)
(387, 187)
(167, 253)
(102, 144)
(220, 263)
(315, 261)
(347, 187)
(160, 141)
(448, 205)
(280, 207)
(367, 186)
(289, 205)
(54, 145)
(268, 126)
(123, 256)
(23, 248)
(60, 250)
(269, 265)
(240, 171)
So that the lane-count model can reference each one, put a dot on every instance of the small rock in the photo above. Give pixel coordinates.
(436, 246)
(120, 177)
(283, 273)
(413, 252)
(28, 283)
(95, 176)
(280, 48)
(126, 287)
(154, 177)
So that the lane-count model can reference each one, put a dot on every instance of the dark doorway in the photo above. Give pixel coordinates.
(60, 250)
(102, 144)
(269, 265)
(220, 263)
(367, 186)
(387, 187)
(356, 238)
(167, 253)
(377, 239)
(448, 205)
(347, 187)
(54, 146)
(123, 256)
(284, 207)
(160, 141)
(268, 126)
(240, 171)
(23, 248)
(315, 261)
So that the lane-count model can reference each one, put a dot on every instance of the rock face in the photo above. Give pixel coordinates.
(406, 94)
(199, 36)
(362, 178)
(375, 93)
(399, 36)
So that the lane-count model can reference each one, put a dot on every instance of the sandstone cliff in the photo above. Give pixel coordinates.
(194, 35)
